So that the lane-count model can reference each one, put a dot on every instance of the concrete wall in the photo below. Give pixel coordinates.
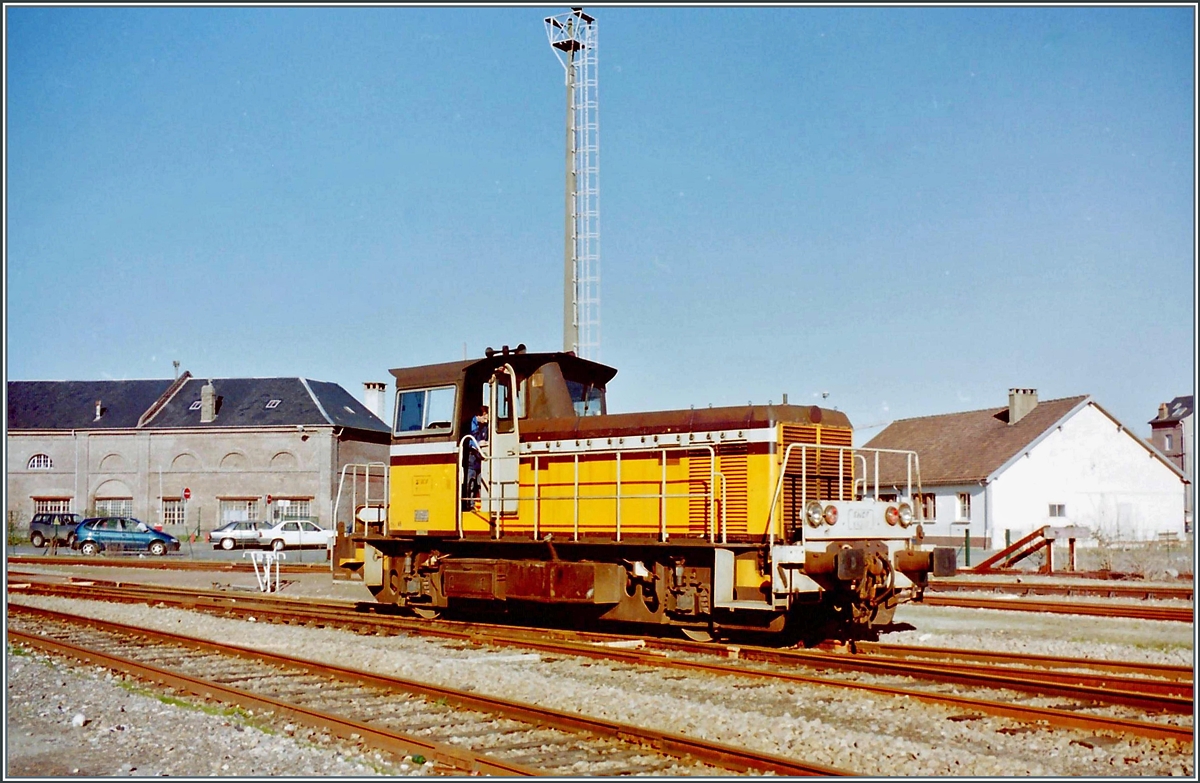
(1108, 482)
(214, 464)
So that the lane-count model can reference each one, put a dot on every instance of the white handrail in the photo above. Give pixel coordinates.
(911, 460)
(662, 496)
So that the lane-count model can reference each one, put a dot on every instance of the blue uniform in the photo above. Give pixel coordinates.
(479, 431)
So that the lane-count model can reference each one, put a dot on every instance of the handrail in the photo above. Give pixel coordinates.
(911, 460)
(353, 468)
(576, 498)
(458, 527)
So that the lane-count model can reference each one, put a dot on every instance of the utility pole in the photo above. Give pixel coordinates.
(573, 37)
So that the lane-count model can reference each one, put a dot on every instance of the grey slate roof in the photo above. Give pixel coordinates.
(241, 402)
(1178, 409)
(71, 405)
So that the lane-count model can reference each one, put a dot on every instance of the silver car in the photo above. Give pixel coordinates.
(235, 534)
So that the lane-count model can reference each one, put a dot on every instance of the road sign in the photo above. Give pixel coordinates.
(187, 493)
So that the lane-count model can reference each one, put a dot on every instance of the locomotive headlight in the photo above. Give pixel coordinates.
(891, 515)
(906, 516)
(830, 515)
(812, 513)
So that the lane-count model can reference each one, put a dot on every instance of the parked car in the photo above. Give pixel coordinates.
(295, 533)
(121, 533)
(47, 527)
(233, 534)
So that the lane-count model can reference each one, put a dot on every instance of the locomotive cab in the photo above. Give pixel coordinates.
(745, 517)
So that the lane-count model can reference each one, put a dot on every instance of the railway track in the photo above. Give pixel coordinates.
(1121, 590)
(1127, 685)
(167, 563)
(466, 731)
(1178, 614)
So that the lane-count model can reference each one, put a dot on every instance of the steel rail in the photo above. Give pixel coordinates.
(1143, 693)
(1168, 671)
(669, 743)
(164, 564)
(1150, 681)
(1056, 717)
(1165, 613)
(1122, 590)
(1146, 694)
(343, 728)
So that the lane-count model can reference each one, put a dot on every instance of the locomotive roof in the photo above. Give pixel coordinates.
(523, 363)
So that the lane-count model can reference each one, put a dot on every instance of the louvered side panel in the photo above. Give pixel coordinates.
(732, 462)
(699, 479)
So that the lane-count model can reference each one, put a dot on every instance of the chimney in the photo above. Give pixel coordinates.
(208, 403)
(1020, 403)
(1162, 410)
(99, 410)
(373, 394)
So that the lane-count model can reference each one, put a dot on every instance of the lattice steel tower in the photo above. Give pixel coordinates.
(573, 36)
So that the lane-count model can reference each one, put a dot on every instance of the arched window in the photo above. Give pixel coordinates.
(40, 462)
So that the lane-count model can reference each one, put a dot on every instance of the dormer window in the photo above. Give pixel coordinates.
(273, 404)
(195, 406)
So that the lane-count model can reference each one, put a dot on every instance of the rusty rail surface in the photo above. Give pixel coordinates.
(167, 563)
(677, 745)
(1110, 590)
(323, 613)
(1133, 611)
(1166, 671)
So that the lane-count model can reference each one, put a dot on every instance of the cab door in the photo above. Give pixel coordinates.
(498, 490)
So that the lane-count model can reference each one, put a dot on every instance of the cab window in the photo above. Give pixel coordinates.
(587, 398)
(420, 410)
(504, 409)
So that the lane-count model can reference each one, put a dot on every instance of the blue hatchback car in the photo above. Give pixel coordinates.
(121, 534)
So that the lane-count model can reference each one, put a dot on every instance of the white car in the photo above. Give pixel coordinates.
(295, 534)
(233, 534)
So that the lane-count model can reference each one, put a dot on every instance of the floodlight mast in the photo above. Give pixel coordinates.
(573, 38)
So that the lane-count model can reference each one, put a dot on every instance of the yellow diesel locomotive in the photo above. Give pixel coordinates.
(751, 518)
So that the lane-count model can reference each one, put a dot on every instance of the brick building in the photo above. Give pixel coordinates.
(133, 447)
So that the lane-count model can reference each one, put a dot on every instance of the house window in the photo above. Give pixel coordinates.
(964, 505)
(238, 510)
(51, 505)
(40, 462)
(114, 507)
(1168, 443)
(172, 511)
(424, 409)
(291, 508)
(272, 404)
(1058, 510)
(195, 406)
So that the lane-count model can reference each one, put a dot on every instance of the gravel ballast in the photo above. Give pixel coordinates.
(869, 735)
(67, 719)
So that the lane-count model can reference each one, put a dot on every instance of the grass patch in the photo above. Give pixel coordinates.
(238, 714)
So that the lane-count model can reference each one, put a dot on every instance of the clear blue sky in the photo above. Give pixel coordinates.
(912, 209)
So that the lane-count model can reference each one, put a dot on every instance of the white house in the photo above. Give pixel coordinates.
(1014, 469)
